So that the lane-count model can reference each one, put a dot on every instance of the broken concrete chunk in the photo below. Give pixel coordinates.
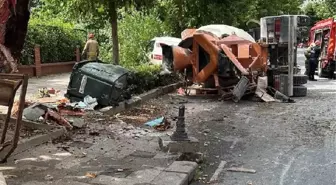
(48, 178)
(244, 170)
(78, 122)
(34, 112)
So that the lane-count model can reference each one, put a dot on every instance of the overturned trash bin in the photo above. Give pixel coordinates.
(105, 82)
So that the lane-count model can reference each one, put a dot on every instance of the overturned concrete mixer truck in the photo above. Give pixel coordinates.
(218, 57)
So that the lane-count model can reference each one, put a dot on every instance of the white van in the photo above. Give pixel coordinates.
(155, 50)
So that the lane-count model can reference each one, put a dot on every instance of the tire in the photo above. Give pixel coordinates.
(300, 79)
(300, 91)
(331, 74)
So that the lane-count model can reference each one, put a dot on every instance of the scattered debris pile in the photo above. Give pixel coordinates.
(56, 113)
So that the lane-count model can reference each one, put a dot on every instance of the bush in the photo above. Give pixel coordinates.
(58, 41)
(146, 77)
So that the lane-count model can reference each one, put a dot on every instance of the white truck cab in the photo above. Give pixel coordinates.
(155, 50)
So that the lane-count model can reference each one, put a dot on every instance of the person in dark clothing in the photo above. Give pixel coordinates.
(307, 55)
(314, 59)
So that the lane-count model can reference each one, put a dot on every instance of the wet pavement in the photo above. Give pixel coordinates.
(287, 144)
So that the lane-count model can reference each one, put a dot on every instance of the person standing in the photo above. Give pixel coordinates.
(307, 55)
(315, 53)
(91, 49)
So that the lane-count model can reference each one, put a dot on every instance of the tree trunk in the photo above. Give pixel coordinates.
(17, 27)
(114, 25)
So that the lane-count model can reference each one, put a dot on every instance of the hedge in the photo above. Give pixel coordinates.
(58, 41)
(146, 77)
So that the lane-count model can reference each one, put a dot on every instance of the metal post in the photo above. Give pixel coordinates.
(180, 133)
(291, 41)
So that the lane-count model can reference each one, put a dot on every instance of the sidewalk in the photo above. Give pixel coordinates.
(105, 151)
(58, 82)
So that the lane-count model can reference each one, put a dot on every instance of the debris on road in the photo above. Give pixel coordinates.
(34, 112)
(160, 124)
(48, 178)
(244, 170)
(55, 116)
(91, 175)
(15, 108)
(43, 93)
(240, 89)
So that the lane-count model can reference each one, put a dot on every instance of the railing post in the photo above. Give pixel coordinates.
(37, 60)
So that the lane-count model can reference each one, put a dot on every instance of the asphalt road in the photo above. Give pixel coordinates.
(287, 144)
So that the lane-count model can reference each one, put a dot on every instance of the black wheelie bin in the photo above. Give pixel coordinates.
(105, 82)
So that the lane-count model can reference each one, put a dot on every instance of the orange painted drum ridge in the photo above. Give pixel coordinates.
(234, 60)
(206, 42)
(187, 33)
(182, 58)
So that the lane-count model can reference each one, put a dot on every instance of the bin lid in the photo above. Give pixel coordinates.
(106, 72)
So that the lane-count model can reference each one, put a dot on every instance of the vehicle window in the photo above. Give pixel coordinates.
(150, 46)
(325, 41)
(318, 36)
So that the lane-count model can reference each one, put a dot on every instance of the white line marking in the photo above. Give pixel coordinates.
(284, 172)
(214, 178)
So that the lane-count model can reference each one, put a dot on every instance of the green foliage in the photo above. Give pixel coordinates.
(146, 77)
(181, 14)
(135, 32)
(316, 11)
(330, 7)
(58, 41)
(136, 29)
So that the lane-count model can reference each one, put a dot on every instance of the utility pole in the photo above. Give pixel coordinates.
(291, 52)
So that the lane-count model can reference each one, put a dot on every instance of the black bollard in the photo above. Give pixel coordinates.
(180, 133)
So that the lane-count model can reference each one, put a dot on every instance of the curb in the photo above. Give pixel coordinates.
(178, 173)
(39, 140)
(51, 133)
(137, 100)
(28, 144)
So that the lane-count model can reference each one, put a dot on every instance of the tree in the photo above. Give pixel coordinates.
(16, 28)
(96, 13)
(330, 6)
(317, 11)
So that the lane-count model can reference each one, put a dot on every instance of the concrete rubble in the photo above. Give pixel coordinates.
(96, 148)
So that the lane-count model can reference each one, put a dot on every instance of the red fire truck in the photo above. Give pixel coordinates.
(325, 31)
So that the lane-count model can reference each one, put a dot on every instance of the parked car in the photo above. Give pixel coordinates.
(154, 48)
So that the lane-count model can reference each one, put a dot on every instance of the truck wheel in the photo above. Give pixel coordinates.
(300, 91)
(320, 72)
(300, 79)
(331, 74)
